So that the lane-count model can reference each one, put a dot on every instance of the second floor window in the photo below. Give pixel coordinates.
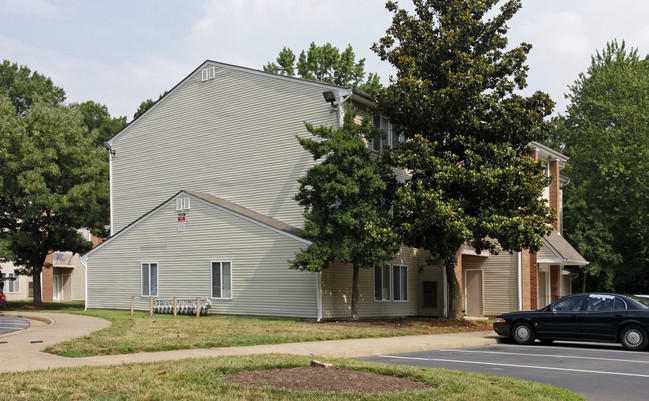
(390, 134)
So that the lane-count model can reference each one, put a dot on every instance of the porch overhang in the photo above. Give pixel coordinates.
(563, 253)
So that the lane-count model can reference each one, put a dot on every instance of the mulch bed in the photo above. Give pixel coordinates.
(452, 325)
(325, 379)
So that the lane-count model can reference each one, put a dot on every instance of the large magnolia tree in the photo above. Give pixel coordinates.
(454, 98)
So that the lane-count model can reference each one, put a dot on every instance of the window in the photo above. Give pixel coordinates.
(149, 279)
(619, 304)
(11, 285)
(222, 280)
(600, 303)
(390, 134)
(399, 283)
(382, 283)
(430, 294)
(568, 304)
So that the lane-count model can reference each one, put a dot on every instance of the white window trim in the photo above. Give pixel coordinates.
(221, 272)
(389, 298)
(157, 279)
(392, 286)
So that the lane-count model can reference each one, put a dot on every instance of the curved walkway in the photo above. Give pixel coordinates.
(21, 353)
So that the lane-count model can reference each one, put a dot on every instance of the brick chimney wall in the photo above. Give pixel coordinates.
(554, 192)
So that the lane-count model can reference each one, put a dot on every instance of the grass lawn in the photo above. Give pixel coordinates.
(203, 379)
(143, 333)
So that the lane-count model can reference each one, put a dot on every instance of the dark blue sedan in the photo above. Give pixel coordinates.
(582, 317)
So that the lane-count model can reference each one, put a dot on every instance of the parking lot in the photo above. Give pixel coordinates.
(9, 324)
(596, 371)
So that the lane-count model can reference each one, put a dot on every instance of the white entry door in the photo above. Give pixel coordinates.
(473, 292)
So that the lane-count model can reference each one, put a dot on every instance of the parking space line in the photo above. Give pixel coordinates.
(515, 366)
(544, 356)
(567, 346)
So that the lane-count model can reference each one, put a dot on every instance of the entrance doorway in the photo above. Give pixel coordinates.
(473, 290)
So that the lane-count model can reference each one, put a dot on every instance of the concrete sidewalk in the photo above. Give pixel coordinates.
(20, 354)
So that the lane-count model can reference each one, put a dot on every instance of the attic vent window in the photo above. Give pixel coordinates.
(208, 73)
(182, 203)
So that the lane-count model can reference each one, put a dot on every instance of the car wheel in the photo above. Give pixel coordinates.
(523, 333)
(634, 338)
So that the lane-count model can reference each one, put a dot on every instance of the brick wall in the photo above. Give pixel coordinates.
(554, 192)
(47, 281)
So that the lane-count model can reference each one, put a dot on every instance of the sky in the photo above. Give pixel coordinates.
(121, 52)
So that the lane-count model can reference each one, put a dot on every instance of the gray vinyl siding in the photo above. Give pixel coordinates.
(232, 136)
(262, 283)
(337, 290)
(499, 280)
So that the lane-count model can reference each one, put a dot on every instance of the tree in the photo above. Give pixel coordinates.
(97, 117)
(48, 185)
(23, 87)
(146, 105)
(467, 132)
(346, 199)
(606, 134)
(326, 64)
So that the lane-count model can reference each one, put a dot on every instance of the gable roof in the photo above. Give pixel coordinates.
(220, 204)
(565, 253)
(344, 92)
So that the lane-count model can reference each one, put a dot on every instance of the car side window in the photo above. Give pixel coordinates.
(619, 304)
(600, 303)
(569, 304)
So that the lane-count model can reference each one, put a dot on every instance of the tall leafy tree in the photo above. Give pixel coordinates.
(23, 87)
(346, 199)
(455, 99)
(96, 117)
(606, 134)
(146, 105)
(326, 64)
(49, 166)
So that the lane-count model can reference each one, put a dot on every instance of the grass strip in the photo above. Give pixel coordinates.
(143, 333)
(203, 379)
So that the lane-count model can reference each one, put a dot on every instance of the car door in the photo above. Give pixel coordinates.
(599, 321)
(560, 319)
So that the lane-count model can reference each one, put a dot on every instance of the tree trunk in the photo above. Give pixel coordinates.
(454, 311)
(36, 278)
(355, 293)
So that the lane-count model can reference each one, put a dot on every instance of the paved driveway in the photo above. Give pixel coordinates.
(9, 324)
(596, 371)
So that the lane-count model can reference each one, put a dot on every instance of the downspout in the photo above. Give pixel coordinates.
(111, 153)
(520, 280)
(85, 279)
(318, 295)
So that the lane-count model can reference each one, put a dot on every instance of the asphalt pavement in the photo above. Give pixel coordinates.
(599, 372)
(11, 324)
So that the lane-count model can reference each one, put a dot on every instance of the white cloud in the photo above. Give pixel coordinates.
(30, 8)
